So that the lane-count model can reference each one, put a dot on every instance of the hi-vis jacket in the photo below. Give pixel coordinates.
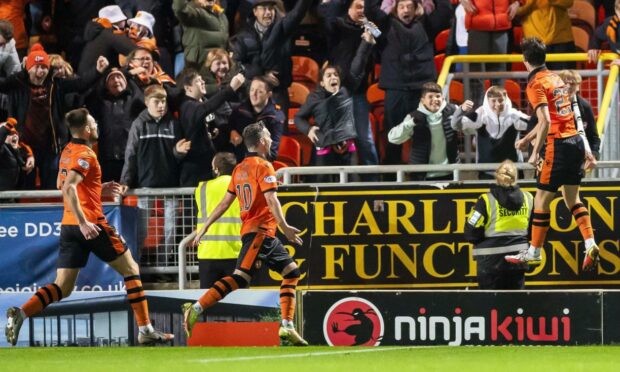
(496, 229)
(223, 239)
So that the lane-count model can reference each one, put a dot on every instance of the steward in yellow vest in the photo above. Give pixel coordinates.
(497, 226)
(219, 247)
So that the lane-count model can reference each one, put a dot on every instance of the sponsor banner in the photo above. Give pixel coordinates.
(373, 318)
(411, 236)
(29, 240)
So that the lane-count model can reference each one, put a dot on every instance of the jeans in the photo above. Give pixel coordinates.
(486, 42)
(366, 150)
(398, 103)
(179, 63)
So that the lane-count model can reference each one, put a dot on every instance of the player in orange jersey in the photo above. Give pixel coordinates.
(561, 162)
(254, 184)
(84, 229)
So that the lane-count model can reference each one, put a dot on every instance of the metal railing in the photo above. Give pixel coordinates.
(176, 257)
(344, 173)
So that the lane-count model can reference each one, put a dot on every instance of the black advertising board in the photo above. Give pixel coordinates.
(373, 318)
(611, 318)
(411, 237)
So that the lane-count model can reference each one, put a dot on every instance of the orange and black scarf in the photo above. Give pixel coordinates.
(612, 29)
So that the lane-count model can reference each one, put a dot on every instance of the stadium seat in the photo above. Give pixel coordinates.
(297, 94)
(375, 95)
(582, 14)
(582, 38)
(439, 58)
(441, 41)
(456, 94)
(291, 120)
(376, 98)
(517, 37)
(600, 15)
(279, 164)
(374, 75)
(289, 152)
(517, 66)
(305, 71)
(307, 147)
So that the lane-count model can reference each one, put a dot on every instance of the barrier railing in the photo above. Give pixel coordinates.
(345, 172)
(172, 255)
(504, 58)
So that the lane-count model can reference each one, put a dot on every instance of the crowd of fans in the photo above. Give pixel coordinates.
(173, 82)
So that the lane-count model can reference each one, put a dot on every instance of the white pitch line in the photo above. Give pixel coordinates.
(302, 355)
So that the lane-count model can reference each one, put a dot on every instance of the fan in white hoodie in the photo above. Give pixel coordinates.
(495, 124)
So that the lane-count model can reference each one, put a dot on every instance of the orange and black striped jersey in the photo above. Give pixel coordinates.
(251, 178)
(547, 88)
(79, 157)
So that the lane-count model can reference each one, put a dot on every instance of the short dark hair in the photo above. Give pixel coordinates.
(534, 51)
(76, 119)
(431, 87)
(270, 83)
(225, 162)
(187, 76)
(326, 67)
(6, 29)
(252, 134)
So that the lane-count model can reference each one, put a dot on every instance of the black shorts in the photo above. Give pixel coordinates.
(562, 162)
(270, 251)
(210, 270)
(75, 249)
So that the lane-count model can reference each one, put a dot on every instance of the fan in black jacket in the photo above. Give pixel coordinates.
(36, 100)
(103, 39)
(264, 45)
(331, 106)
(257, 108)
(196, 116)
(115, 103)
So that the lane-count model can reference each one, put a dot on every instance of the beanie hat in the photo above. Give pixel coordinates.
(115, 71)
(10, 125)
(37, 56)
(112, 13)
(145, 19)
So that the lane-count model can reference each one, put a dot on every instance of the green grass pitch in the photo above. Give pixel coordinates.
(315, 359)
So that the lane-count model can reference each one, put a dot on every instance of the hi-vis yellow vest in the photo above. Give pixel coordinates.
(505, 231)
(222, 240)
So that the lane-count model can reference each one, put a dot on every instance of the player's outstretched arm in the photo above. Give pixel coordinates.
(217, 213)
(69, 193)
(523, 142)
(276, 209)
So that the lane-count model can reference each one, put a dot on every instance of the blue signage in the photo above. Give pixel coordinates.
(29, 240)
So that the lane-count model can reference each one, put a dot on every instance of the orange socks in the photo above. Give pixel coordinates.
(540, 226)
(287, 298)
(582, 217)
(41, 299)
(220, 289)
(135, 295)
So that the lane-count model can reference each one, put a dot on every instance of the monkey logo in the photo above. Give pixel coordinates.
(353, 321)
